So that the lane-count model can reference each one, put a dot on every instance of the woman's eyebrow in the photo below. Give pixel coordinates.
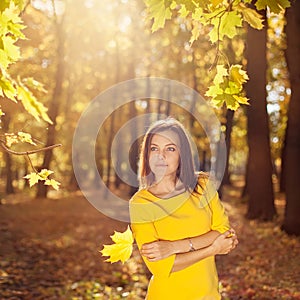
(171, 144)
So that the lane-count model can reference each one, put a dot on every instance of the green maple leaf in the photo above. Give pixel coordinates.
(213, 91)
(232, 88)
(225, 25)
(241, 99)
(238, 75)
(276, 6)
(252, 17)
(218, 103)
(231, 102)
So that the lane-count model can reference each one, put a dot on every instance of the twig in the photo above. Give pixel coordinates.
(28, 152)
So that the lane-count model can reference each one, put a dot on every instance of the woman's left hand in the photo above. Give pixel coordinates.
(157, 250)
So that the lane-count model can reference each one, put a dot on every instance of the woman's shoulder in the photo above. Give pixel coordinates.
(141, 196)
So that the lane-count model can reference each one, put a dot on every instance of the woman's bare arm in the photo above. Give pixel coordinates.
(162, 249)
(223, 244)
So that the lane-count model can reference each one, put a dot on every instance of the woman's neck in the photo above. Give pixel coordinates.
(167, 187)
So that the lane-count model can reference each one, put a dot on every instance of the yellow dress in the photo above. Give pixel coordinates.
(182, 216)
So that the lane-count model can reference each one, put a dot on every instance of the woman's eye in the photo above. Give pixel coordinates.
(153, 149)
(172, 149)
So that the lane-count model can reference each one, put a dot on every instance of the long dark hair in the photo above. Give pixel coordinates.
(186, 169)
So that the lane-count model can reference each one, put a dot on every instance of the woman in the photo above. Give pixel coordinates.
(177, 218)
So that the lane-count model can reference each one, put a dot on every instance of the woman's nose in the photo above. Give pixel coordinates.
(161, 154)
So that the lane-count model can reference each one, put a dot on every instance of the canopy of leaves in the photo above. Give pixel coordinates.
(11, 26)
(224, 19)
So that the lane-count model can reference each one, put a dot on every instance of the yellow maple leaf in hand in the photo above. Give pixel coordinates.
(122, 248)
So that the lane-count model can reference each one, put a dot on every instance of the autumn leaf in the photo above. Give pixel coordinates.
(159, 12)
(25, 138)
(10, 139)
(31, 104)
(225, 25)
(55, 184)
(252, 17)
(237, 74)
(276, 6)
(221, 73)
(122, 249)
(33, 178)
(6, 87)
(228, 87)
(44, 173)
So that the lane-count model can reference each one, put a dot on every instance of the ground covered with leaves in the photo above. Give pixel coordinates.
(50, 250)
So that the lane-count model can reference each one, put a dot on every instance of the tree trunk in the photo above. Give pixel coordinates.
(134, 150)
(54, 105)
(9, 189)
(282, 173)
(291, 222)
(260, 186)
(229, 121)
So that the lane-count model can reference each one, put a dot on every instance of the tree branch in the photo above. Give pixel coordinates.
(2, 144)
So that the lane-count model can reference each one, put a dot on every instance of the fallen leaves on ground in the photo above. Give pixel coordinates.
(50, 250)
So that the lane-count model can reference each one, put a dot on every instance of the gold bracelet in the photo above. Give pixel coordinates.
(191, 246)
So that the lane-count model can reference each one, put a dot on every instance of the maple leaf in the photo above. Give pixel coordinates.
(122, 249)
(10, 139)
(221, 73)
(33, 178)
(225, 25)
(276, 6)
(238, 75)
(159, 12)
(25, 138)
(55, 184)
(252, 17)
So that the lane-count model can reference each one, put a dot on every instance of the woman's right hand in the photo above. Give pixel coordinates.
(225, 242)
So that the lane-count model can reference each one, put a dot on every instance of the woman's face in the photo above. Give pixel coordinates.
(164, 154)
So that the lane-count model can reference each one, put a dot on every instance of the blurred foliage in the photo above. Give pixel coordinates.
(224, 20)
(112, 42)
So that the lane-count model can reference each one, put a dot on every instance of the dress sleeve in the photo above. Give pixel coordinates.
(144, 232)
(220, 221)
(219, 218)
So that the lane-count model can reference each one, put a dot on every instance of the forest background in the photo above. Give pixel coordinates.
(56, 56)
